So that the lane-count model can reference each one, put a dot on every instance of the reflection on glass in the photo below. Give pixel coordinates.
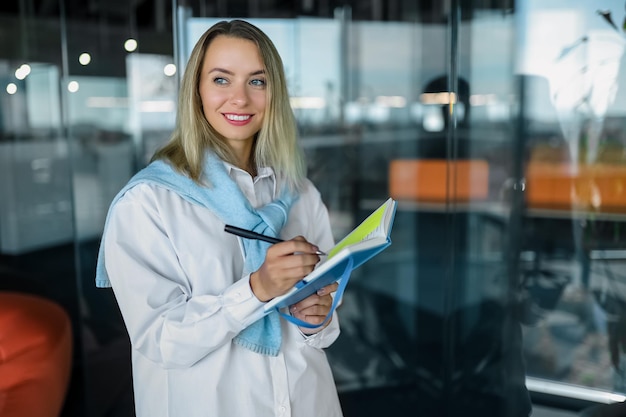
(573, 252)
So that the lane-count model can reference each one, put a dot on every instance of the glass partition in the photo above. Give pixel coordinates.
(117, 114)
(37, 230)
(572, 250)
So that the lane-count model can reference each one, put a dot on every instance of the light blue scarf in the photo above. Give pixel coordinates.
(226, 200)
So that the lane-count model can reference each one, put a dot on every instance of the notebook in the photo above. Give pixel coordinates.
(364, 242)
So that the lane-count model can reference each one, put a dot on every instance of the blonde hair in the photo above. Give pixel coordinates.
(276, 143)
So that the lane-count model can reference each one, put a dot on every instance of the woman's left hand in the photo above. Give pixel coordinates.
(314, 308)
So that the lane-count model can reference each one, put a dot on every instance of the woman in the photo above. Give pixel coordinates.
(190, 294)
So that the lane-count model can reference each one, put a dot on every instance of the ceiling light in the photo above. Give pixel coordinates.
(130, 45)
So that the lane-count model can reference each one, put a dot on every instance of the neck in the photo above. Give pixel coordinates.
(251, 169)
(245, 160)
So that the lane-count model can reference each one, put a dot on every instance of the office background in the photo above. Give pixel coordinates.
(497, 124)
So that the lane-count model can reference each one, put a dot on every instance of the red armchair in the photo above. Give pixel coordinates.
(35, 356)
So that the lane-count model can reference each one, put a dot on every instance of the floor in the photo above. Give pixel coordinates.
(541, 411)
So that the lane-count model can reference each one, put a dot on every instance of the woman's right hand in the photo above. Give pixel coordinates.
(286, 263)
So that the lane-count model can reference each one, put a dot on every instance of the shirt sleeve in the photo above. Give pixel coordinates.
(165, 322)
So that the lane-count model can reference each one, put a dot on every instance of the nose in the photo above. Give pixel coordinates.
(239, 95)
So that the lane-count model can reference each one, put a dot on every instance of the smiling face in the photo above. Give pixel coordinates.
(233, 90)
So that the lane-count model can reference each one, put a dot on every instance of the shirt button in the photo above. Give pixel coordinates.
(282, 409)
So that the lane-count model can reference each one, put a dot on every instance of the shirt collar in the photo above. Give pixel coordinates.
(262, 173)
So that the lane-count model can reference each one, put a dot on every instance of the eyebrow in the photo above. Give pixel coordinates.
(225, 71)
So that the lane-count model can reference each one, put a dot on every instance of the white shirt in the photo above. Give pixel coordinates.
(178, 279)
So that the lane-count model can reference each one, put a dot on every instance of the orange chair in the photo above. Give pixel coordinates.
(438, 180)
(35, 356)
(561, 185)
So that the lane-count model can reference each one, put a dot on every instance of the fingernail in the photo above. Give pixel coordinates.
(321, 291)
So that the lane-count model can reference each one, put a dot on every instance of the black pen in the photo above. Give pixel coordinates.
(249, 234)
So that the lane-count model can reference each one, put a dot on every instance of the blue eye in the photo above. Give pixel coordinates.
(258, 82)
(220, 80)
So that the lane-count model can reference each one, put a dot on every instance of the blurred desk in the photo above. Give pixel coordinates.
(586, 236)
(495, 208)
(36, 190)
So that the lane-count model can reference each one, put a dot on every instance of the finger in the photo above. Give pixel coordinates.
(310, 315)
(311, 300)
(298, 266)
(320, 307)
(295, 245)
(315, 320)
(301, 264)
(315, 310)
(328, 289)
